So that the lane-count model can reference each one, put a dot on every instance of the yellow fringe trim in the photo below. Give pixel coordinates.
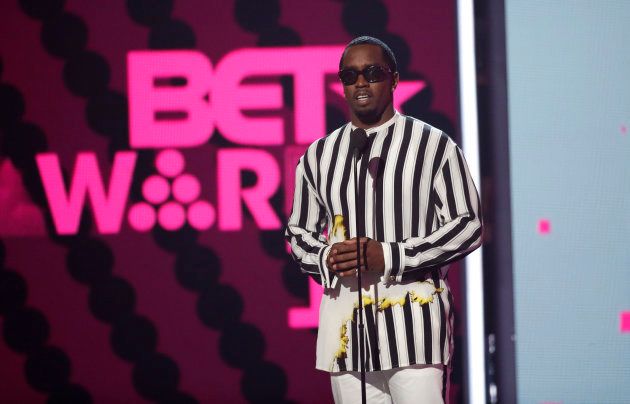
(420, 299)
(383, 304)
(388, 302)
(343, 345)
(338, 232)
(367, 300)
(430, 282)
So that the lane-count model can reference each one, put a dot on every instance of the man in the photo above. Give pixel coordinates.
(420, 211)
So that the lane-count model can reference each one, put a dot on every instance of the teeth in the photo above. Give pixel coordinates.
(361, 97)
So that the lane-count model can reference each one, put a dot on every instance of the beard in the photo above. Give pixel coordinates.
(369, 116)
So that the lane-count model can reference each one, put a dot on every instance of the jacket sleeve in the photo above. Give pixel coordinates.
(457, 228)
(304, 231)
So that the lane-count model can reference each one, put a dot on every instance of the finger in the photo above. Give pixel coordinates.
(350, 272)
(343, 257)
(344, 266)
(343, 248)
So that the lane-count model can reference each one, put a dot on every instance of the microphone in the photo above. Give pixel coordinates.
(358, 140)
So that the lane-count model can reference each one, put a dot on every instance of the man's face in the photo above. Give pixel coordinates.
(368, 101)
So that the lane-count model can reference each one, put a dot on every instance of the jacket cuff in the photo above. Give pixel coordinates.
(393, 256)
(324, 272)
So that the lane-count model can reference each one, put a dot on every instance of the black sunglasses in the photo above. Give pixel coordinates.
(372, 73)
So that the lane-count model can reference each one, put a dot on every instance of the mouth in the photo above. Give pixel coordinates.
(362, 98)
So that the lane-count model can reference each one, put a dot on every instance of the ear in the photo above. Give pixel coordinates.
(395, 78)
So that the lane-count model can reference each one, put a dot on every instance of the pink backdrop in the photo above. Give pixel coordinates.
(147, 155)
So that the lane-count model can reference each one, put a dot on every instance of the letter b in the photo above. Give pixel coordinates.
(167, 99)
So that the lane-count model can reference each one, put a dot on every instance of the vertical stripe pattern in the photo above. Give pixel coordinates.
(417, 198)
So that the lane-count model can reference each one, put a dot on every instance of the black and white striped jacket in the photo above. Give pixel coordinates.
(419, 201)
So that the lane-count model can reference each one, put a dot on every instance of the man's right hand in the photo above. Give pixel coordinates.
(342, 258)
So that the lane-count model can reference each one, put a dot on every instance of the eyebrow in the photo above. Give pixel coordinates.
(384, 66)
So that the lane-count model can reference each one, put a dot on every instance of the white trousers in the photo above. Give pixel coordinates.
(412, 384)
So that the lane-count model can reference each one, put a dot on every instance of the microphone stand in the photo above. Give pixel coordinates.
(359, 284)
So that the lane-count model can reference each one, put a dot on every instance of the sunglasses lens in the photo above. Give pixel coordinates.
(374, 74)
(348, 76)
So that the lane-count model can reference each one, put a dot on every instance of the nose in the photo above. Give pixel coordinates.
(361, 81)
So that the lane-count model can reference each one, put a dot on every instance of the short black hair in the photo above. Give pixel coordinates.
(369, 40)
